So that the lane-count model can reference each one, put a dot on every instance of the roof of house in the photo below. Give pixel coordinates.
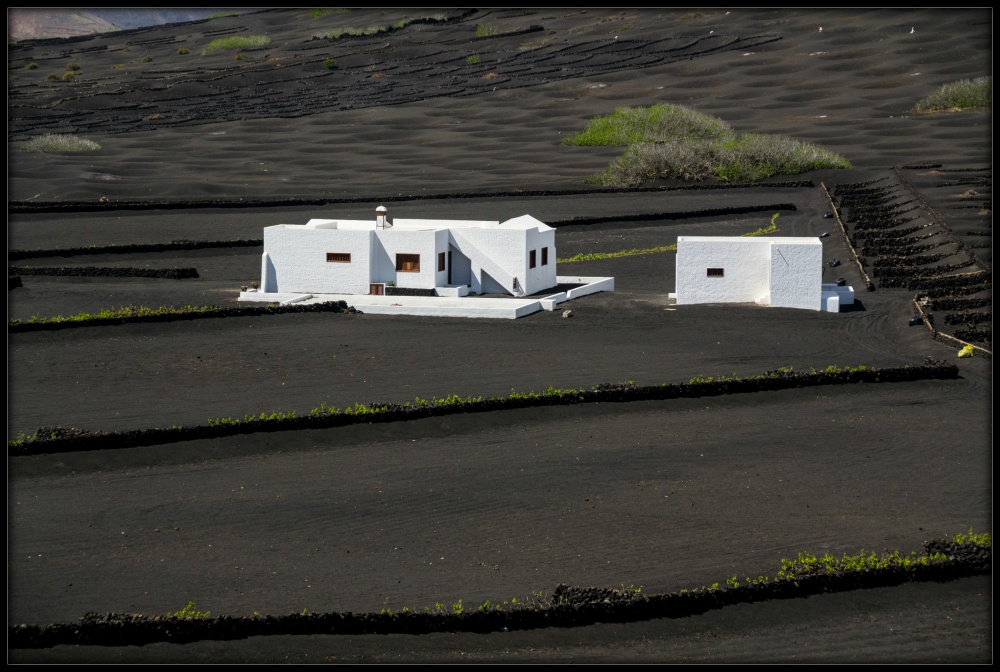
(785, 240)
(524, 223)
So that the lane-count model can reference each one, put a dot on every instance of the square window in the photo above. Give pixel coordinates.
(545, 256)
(408, 263)
(716, 272)
(531, 258)
(441, 263)
(339, 257)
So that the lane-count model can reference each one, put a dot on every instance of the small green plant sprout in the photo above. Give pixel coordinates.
(473, 59)
(189, 612)
(733, 582)
(457, 608)
(330, 64)
(305, 612)
(57, 142)
(966, 351)
(386, 611)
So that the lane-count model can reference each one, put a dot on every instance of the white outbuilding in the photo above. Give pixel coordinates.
(785, 272)
(433, 256)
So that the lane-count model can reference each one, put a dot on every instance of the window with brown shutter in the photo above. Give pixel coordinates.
(408, 263)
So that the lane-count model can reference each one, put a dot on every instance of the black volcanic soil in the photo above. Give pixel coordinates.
(666, 495)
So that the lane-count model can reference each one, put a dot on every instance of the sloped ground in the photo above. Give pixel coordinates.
(484, 507)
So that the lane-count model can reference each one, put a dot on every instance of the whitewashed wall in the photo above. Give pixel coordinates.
(396, 241)
(780, 272)
(796, 273)
(297, 256)
(744, 260)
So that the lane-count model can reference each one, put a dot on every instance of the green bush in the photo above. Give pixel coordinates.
(474, 59)
(68, 76)
(487, 29)
(351, 32)
(236, 42)
(318, 12)
(965, 94)
(146, 58)
(330, 63)
(53, 77)
(673, 142)
(183, 51)
(72, 67)
(31, 66)
(659, 123)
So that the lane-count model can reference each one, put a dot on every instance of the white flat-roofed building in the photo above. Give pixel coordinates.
(450, 257)
(785, 272)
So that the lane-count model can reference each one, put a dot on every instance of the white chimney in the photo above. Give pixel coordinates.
(382, 218)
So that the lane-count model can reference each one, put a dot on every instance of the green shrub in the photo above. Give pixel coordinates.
(659, 123)
(72, 67)
(146, 58)
(672, 142)
(69, 76)
(474, 59)
(351, 32)
(235, 43)
(330, 63)
(965, 94)
(183, 51)
(487, 29)
(241, 57)
(318, 12)
(53, 77)
(31, 66)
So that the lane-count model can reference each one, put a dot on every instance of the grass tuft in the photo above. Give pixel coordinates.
(55, 142)
(235, 42)
(965, 94)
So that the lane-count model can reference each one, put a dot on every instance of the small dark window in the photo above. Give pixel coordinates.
(408, 263)
(531, 258)
(339, 257)
(441, 261)
(716, 272)
(545, 256)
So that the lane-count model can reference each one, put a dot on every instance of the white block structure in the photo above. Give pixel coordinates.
(780, 272)
(451, 257)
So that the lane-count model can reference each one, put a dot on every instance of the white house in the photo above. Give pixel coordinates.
(782, 272)
(441, 257)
